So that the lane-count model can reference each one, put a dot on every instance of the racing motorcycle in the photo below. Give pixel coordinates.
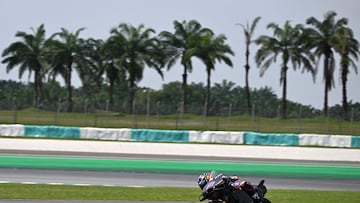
(220, 190)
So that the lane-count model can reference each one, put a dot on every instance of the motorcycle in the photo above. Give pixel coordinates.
(220, 190)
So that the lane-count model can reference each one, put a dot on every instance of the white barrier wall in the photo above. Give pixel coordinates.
(140, 135)
(217, 137)
(123, 134)
(12, 130)
(324, 140)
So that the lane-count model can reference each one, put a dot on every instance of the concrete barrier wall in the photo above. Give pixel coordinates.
(12, 130)
(121, 134)
(159, 135)
(217, 137)
(147, 135)
(51, 131)
(325, 140)
(355, 141)
(271, 139)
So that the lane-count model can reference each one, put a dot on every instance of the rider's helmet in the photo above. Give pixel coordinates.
(203, 179)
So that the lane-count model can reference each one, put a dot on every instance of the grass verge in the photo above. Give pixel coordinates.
(67, 192)
(318, 125)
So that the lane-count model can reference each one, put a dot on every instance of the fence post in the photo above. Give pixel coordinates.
(57, 116)
(253, 116)
(205, 116)
(181, 113)
(158, 110)
(147, 108)
(134, 114)
(299, 119)
(38, 106)
(352, 120)
(278, 117)
(14, 110)
(85, 112)
(107, 113)
(230, 112)
(94, 110)
(327, 122)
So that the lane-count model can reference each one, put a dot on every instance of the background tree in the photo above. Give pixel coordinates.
(65, 52)
(290, 44)
(16, 95)
(321, 33)
(135, 48)
(114, 74)
(348, 48)
(223, 95)
(180, 42)
(265, 102)
(90, 64)
(248, 32)
(211, 48)
(196, 98)
(29, 54)
(169, 101)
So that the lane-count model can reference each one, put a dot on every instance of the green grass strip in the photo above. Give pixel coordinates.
(66, 192)
(184, 167)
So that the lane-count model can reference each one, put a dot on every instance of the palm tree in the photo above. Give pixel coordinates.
(348, 47)
(65, 52)
(113, 73)
(90, 66)
(210, 49)
(179, 42)
(290, 44)
(133, 49)
(248, 32)
(29, 54)
(320, 37)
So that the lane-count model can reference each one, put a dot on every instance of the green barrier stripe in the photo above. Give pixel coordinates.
(355, 141)
(157, 166)
(159, 135)
(52, 132)
(271, 139)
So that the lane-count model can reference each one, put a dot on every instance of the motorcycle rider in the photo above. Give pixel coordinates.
(256, 192)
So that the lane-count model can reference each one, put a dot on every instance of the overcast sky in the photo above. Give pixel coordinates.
(99, 16)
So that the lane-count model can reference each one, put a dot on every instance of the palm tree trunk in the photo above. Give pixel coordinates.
(247, 68)
(184, 101)
(344, 73)
(284, 81)
(37, 90)
(344, 102)
(131, 97)
(284, 103)
(111, 92)
(327, 84)
(207, 93)
(247, 89)
(68, 84)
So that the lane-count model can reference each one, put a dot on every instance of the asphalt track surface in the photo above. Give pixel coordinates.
(145, 179)
(83, 177)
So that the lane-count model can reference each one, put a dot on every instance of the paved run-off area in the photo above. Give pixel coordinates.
(302, 162)
(184, 149)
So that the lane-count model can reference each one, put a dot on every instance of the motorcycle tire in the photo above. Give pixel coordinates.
(242, 197)
(266, 201)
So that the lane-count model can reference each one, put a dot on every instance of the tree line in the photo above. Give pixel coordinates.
(117, 63)
(228, 100)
